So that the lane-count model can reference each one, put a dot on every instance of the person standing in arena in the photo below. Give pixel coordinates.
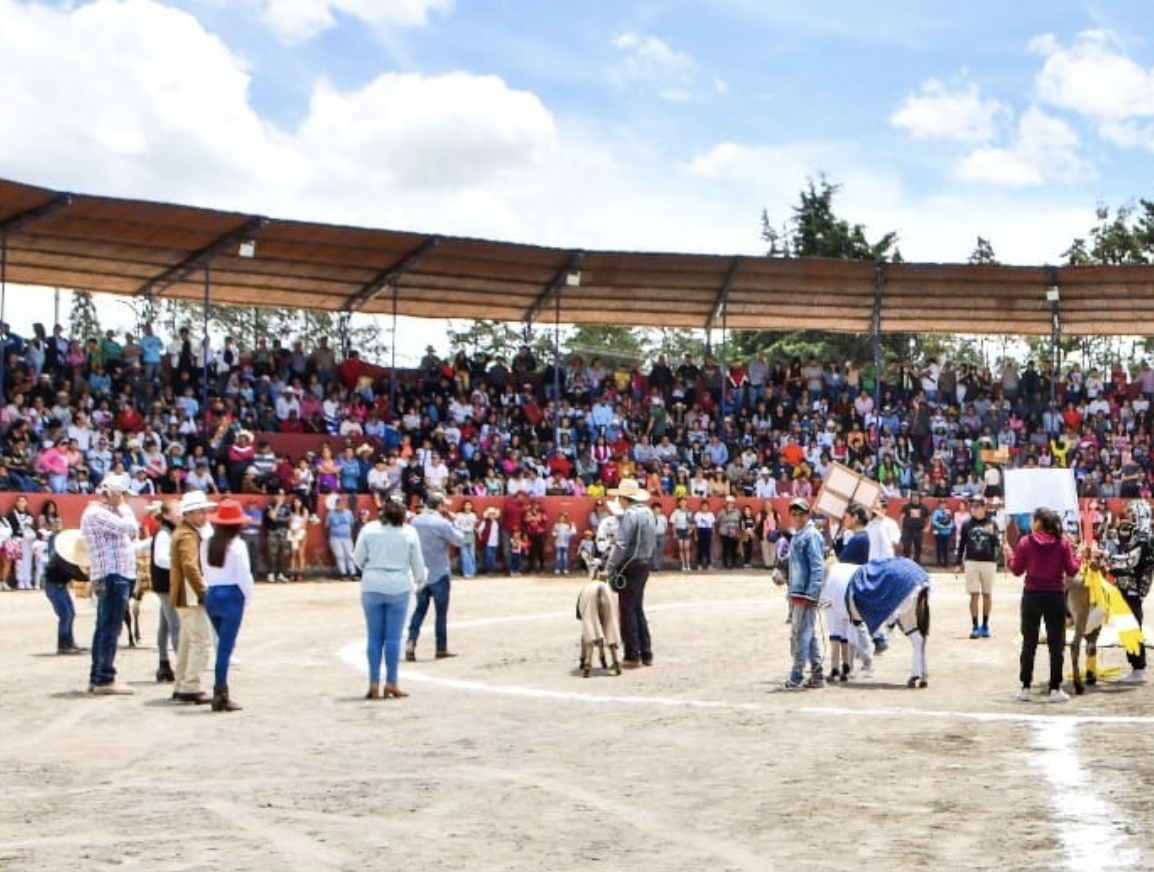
(806, 576)
(1046, 559)
(438, 536)
(1132, 566)
(160, 559)
(186, 594)
(977, 557)
(109, 529)
(628, 570)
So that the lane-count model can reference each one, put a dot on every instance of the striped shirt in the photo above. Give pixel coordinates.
(108, 535)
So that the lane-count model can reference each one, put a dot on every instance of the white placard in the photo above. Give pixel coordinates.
(1029, 489)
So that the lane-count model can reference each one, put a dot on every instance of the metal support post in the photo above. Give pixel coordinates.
(393, 352)
(204, 349)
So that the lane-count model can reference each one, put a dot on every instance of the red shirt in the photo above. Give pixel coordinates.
(1046, 562)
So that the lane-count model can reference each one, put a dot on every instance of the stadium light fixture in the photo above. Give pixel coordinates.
(1052, 295)
(573, 279)
(247, 249)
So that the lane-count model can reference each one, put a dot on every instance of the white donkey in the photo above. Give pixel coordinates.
(882, 593)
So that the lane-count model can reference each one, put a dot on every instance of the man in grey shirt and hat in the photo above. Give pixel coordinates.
(438, 536)
(628, 570)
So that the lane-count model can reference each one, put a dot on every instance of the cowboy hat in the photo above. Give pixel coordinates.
(630, 490)
(113, 484)
(69, 546)
(491, 512)
(195, 501)
(244, 434)
(228, 514)
(365, 448)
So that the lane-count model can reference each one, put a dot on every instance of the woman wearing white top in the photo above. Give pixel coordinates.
(228, 579)
(391, 563)
(466, 521)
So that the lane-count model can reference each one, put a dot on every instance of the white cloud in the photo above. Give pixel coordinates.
(1044, 148)
(650, 61)
(98, 99)
(963, 115)
(1095, 78)
(296, 21)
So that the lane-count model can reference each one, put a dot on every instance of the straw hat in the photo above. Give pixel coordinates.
(229, 514)
(70, 547)
(492, 512)
(195, 501)
(630, 490)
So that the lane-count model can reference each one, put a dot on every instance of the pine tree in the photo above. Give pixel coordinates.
(83, 321)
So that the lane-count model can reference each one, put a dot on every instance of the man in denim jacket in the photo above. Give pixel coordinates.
(806, 574)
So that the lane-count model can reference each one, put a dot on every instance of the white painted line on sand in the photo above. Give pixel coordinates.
(1093, 836)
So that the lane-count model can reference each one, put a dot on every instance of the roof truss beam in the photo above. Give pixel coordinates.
(174, 275)
(553, 289)
(723, 294)
(15, 223)
(390, 276)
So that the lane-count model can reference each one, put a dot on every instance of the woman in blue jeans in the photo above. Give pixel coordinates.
(228, 579)
(389, 555)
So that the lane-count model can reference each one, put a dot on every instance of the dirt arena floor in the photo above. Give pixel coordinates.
(506, 759)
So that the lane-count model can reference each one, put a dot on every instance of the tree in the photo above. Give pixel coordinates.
(673, 343)
(1126, 237)
(816, 230)
(983, 252)
(503, 339)
(609, 342)
(83, 321)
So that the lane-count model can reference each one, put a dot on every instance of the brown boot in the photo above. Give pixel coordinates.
(374, 690)
(411, 651)
(220, 700)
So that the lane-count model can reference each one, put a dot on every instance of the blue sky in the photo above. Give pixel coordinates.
(623, 125)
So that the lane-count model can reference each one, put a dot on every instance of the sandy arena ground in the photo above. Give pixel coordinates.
(505, 759)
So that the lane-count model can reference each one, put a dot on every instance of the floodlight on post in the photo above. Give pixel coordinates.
(573, 278)
(1052, 294)
(247, 249)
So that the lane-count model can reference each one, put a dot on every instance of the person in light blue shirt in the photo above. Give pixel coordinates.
(151, 349)
(437, 536)
(391, 562)
(339, 523)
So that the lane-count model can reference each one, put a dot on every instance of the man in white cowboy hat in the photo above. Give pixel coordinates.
(186, 594)
(109, 529)
(628, 570)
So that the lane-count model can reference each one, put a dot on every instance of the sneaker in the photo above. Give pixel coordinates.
(271, 578)
(815, 681)
(975, 633)
(1136, 676)
(790, 685)
(1024, 695)
(985, 631)
(282, 578)
(112, 689)
(1059, 695)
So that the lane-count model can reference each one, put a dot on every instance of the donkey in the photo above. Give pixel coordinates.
(598, 617)
(893, 592)
(1086, 619)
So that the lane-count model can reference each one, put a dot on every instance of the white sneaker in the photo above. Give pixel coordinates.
(1024, 695)
(282, 578)
(271, 578)
(1059, 695)
(1136, 676)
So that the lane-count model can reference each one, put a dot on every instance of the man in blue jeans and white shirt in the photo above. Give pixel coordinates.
(110, 530)
(438, 536)
(806, 574)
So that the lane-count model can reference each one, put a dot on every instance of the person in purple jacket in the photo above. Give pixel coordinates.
(1046, 558)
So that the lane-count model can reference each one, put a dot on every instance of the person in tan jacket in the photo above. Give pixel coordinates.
(186, 594)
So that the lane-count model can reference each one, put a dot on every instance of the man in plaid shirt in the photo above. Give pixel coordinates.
(109, 528)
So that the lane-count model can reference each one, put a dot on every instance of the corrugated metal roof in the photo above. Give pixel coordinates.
(123, 246)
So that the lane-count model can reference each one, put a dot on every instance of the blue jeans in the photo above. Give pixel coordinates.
(112, 593)
(561, 559)
(491, 559)
(384, 621)
(438, 592)
(224, 605)
(61, 601)
(469, 558)
(804, 643)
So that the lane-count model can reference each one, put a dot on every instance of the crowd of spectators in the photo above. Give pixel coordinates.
(76, 410)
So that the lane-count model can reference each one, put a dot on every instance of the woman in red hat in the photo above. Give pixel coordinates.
(228, 578)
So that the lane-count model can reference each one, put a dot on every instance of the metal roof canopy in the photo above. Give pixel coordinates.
(121, 246)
